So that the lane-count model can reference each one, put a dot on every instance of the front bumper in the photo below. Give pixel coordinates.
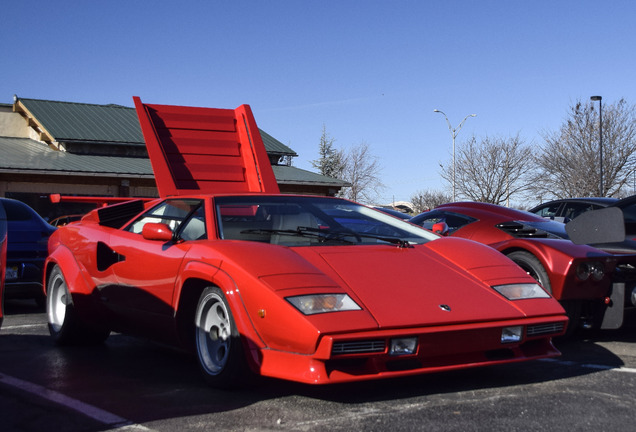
(439, 349)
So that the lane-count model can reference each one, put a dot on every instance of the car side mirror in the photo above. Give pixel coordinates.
(440, 228)
(156, 231)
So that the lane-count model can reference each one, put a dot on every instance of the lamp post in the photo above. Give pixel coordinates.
(454, 132)
(600, 146)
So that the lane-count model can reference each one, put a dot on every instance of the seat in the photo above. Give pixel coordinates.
(291, 222)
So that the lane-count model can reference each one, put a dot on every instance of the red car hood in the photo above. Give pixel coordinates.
(419, 287)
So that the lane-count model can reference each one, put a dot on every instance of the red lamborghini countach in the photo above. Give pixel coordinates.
(305, 288)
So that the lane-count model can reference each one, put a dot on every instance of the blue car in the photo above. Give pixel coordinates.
(27, 248)
(3, 254)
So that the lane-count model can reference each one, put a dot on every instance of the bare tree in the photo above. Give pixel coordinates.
(569, 161)
(425, 200)
(493, 170)
(362, 171)
(331, 161)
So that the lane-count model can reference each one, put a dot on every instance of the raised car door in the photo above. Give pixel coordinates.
(146, 270)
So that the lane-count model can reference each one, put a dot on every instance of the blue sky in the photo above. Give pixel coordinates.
(369, 71)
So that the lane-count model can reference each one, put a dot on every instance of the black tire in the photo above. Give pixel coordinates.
(218, 343)
(531, 265)
(64, 325)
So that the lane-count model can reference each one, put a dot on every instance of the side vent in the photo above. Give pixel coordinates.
(521, 230)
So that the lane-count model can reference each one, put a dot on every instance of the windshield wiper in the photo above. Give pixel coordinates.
(325, 235)
(393, 240)
(321, 235)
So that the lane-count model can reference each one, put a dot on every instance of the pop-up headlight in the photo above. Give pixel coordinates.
(320, 303)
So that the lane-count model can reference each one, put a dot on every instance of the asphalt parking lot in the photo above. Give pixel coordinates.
(130, 384)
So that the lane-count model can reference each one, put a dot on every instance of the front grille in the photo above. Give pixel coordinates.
(358, 347)
(543, 329)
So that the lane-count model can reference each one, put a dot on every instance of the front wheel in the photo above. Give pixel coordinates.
(218, 342)
(534, 268)
(531, 265)
(64, 325)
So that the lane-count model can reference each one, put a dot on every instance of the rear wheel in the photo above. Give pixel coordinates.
(64, 326)
(218, 342)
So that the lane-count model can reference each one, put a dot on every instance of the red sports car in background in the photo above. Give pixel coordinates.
(305, 288)
(579, 276)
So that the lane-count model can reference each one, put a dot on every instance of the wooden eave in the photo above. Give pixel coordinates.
(32, 122)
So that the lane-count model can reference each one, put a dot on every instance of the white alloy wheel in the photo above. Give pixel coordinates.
(218, 342)
(64, 325)
(214, 331)
(58, 299)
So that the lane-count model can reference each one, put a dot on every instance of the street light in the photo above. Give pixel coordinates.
(454, 132)
(600, 127)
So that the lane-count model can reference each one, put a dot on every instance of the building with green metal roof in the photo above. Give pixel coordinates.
(73, 148)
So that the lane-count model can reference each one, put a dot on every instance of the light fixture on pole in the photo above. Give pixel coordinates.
(454, 132)
(600, 145)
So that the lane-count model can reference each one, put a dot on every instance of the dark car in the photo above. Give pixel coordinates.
(564, 210)
(3, 255)
(27, 248)
(628, 206)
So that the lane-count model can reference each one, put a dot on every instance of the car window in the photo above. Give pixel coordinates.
(193, 228)
(573, 210)
(549, 211)
(171, 212)
(454, 220)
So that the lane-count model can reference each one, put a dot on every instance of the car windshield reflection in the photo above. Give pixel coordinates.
(311, 221)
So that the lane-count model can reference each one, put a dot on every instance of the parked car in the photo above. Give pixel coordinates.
(306, 288)
(579, 276)
(3, 257)
(65, 220)
(567, 209)
(27, 238)
(564, 210)
(393, 212)
(628, 207)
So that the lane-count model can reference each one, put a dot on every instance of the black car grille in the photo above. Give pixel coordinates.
(544, 329)
(358, 347)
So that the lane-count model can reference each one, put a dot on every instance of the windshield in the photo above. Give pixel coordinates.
(311, 221)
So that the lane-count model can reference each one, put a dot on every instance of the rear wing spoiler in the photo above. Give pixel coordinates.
(99, 201)
(112, 212)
